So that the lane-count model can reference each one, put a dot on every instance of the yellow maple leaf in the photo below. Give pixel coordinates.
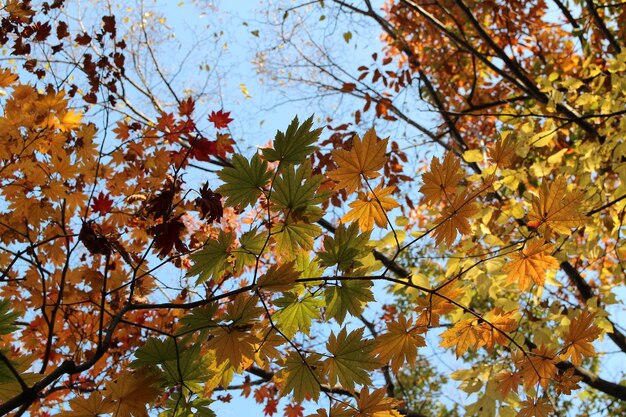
(376, 404)
(531, 261)
(362, 161)
(441, 182)
(399, 344)
(503, 153)
(130, 393)
(370, 208)
(455, 219)
(70, 120)
(555, 209)
(532, 407)
(92, 406)
(580, 334)
(463, 335)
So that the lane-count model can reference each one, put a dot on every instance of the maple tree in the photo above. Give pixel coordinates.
(128, 288)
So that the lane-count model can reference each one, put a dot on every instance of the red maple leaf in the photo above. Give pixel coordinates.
(294, 410)
(202, 148)
(270, 407)
(186, 107)
(102, 204)
(167, 236)
(224, 144)
(210, 204)
(220, 119)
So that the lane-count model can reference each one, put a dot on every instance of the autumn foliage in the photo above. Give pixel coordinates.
(318, 269)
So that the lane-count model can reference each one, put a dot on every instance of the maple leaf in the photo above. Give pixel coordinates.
(463, 335)
(294, 145)
(224, 143)
(555, 209)
(93, 406)
(270, 407)
(370, 208)
(532, 407)
(279, 278)
(376, 404)
(202, 149)
(350, 360)
(301, 376)
(538, 366)
(220, 119)
(508, 382)
(244, 181)
(131, 392)
(294, 410)
(441, 182)
(211, 261)
(233, 345)
(496, 322)
(399, 344)
(296, 314)
(167, 236)
(70, 120)
(210, 204)
(531, 262)
(102, 204)
(363, 161)
(94, 241)
(455, 219)
(434, 305)
(503, 153)
(186, 107)
(580, 333)
(348, 297)
(7, 78)
(567, 381)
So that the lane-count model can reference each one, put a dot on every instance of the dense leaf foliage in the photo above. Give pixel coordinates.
(324, 272)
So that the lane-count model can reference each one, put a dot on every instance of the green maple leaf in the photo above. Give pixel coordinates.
(200, 318)
(293, 146)
(348, 297)
(296, 314)
(294, 193)
(302, 377)
(252, 244)
(345, 248)
(244, 181)
(211, 261)
(279, 278)
(155, 352)
(351, 359)
(7, 317)
(292, 235)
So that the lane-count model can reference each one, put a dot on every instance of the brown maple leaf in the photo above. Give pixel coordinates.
(210, 204)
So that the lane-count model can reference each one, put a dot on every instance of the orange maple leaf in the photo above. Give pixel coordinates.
(531, 261)
(376, 404)
(455, 219)
(508, 382)
(362, 161)
(130, 393)
(555, 209)
(580, 334)
(538, 366)
(532, 407)
(370, 208)
(441, 182)
(503, 153)
(437, 304)
(399, 344)
(496, 323)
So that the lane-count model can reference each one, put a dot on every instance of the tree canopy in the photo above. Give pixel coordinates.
(462, 199)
